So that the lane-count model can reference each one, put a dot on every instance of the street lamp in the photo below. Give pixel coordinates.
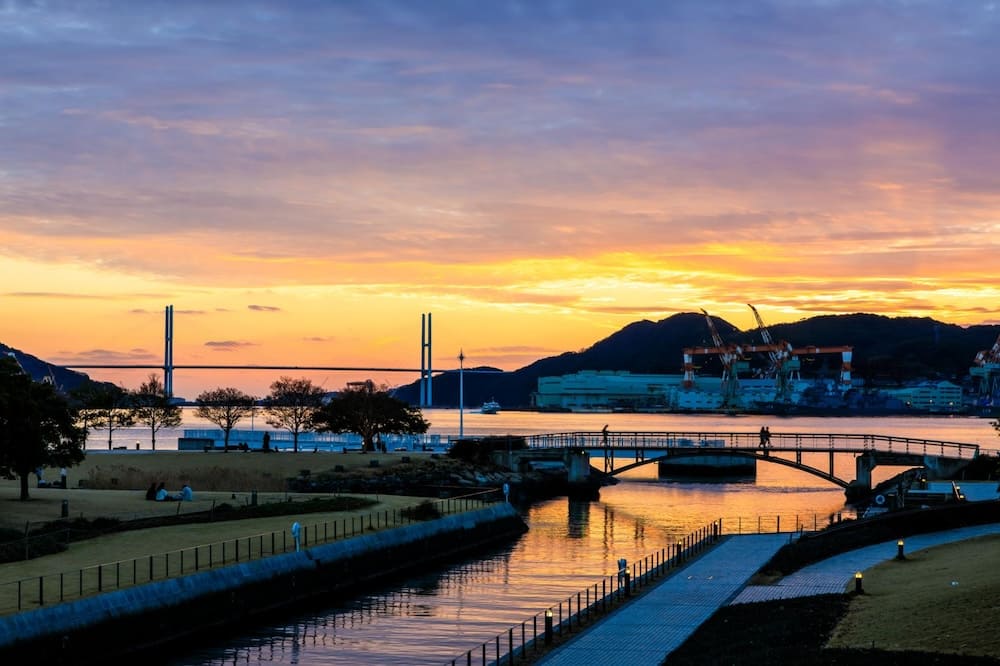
(461, 394)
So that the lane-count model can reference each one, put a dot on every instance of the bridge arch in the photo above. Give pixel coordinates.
(748, 454)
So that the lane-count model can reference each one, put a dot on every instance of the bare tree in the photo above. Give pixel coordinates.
(151, 406)
(107, 408)
(83, 399)
(225, 407)
(292, 405)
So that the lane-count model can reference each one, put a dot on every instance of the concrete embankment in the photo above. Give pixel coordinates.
(99, 628)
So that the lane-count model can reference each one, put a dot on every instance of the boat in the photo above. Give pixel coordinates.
(490, 407)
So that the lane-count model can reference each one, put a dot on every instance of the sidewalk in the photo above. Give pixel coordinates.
(651, 627)
(646, 630)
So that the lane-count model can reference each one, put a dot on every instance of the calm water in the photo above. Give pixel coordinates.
(433, 618)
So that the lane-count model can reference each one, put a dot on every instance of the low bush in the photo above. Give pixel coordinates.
(426, 510)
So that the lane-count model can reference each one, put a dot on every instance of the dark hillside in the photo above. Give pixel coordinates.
(65, 380)
(895, 349)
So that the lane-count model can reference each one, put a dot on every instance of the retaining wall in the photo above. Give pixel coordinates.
(98, 628)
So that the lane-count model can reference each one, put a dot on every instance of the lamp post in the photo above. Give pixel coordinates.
(461, 394)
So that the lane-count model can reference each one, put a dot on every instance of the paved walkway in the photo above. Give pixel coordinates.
(835, 574)
(646, 630)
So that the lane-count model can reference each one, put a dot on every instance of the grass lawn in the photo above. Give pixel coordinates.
(943, 599)
(939, 606)
(243, 472)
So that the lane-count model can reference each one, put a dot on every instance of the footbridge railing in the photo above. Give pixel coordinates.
(751, 441)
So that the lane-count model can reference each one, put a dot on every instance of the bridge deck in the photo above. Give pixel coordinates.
(750, 441)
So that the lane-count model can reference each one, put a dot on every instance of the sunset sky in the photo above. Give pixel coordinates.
(302, 180)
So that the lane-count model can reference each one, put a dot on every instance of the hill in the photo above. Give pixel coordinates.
(65, 380)
(887, 351)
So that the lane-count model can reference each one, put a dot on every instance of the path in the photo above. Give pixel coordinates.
(649, 628)
(833, 575)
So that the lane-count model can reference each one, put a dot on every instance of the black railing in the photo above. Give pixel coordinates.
(38, 591)
(779, 441)
(522, 642)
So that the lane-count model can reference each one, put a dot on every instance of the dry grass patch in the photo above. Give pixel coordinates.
(945, 599)
(254, 535)
(216, 470)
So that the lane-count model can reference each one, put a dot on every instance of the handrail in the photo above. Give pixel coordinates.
(599, 599)
(779, 441)
(615, 589)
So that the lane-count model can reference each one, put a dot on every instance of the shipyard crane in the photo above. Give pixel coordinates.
(783, 363)
(732, 362)
(986, 368)
(786, 356)
(987, 356)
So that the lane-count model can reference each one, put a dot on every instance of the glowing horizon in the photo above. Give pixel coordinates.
(305, 180)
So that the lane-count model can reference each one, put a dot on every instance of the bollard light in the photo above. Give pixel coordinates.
(857, 583)
(548, 626)
(899, 550)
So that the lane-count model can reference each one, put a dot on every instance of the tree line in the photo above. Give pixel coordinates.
(42, 427)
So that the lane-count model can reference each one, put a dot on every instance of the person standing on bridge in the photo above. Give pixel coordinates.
(763, 437)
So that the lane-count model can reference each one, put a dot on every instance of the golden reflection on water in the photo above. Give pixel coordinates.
(570, 547)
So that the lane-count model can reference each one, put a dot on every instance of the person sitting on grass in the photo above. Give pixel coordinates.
(186, 494)
(161, 493)
(151, 491)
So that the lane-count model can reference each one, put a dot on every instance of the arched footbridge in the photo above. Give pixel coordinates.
(783, 448)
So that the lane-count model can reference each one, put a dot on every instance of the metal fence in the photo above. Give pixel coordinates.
(744, 441)
(521, 643)
(38, 591)
(776, 523)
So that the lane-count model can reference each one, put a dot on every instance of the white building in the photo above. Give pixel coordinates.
(606, 390)
(936, 397)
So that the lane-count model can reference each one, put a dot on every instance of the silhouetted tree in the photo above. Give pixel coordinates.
(369, 411)
(152, 407)
(37, 426)
(225, 407)
(108, 408)
(82, 399)
(292, 404)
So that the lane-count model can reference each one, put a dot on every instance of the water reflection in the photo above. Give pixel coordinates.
(578, 518)
(437, 616)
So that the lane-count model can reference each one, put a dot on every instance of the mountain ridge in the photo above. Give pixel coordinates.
(887, 351)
